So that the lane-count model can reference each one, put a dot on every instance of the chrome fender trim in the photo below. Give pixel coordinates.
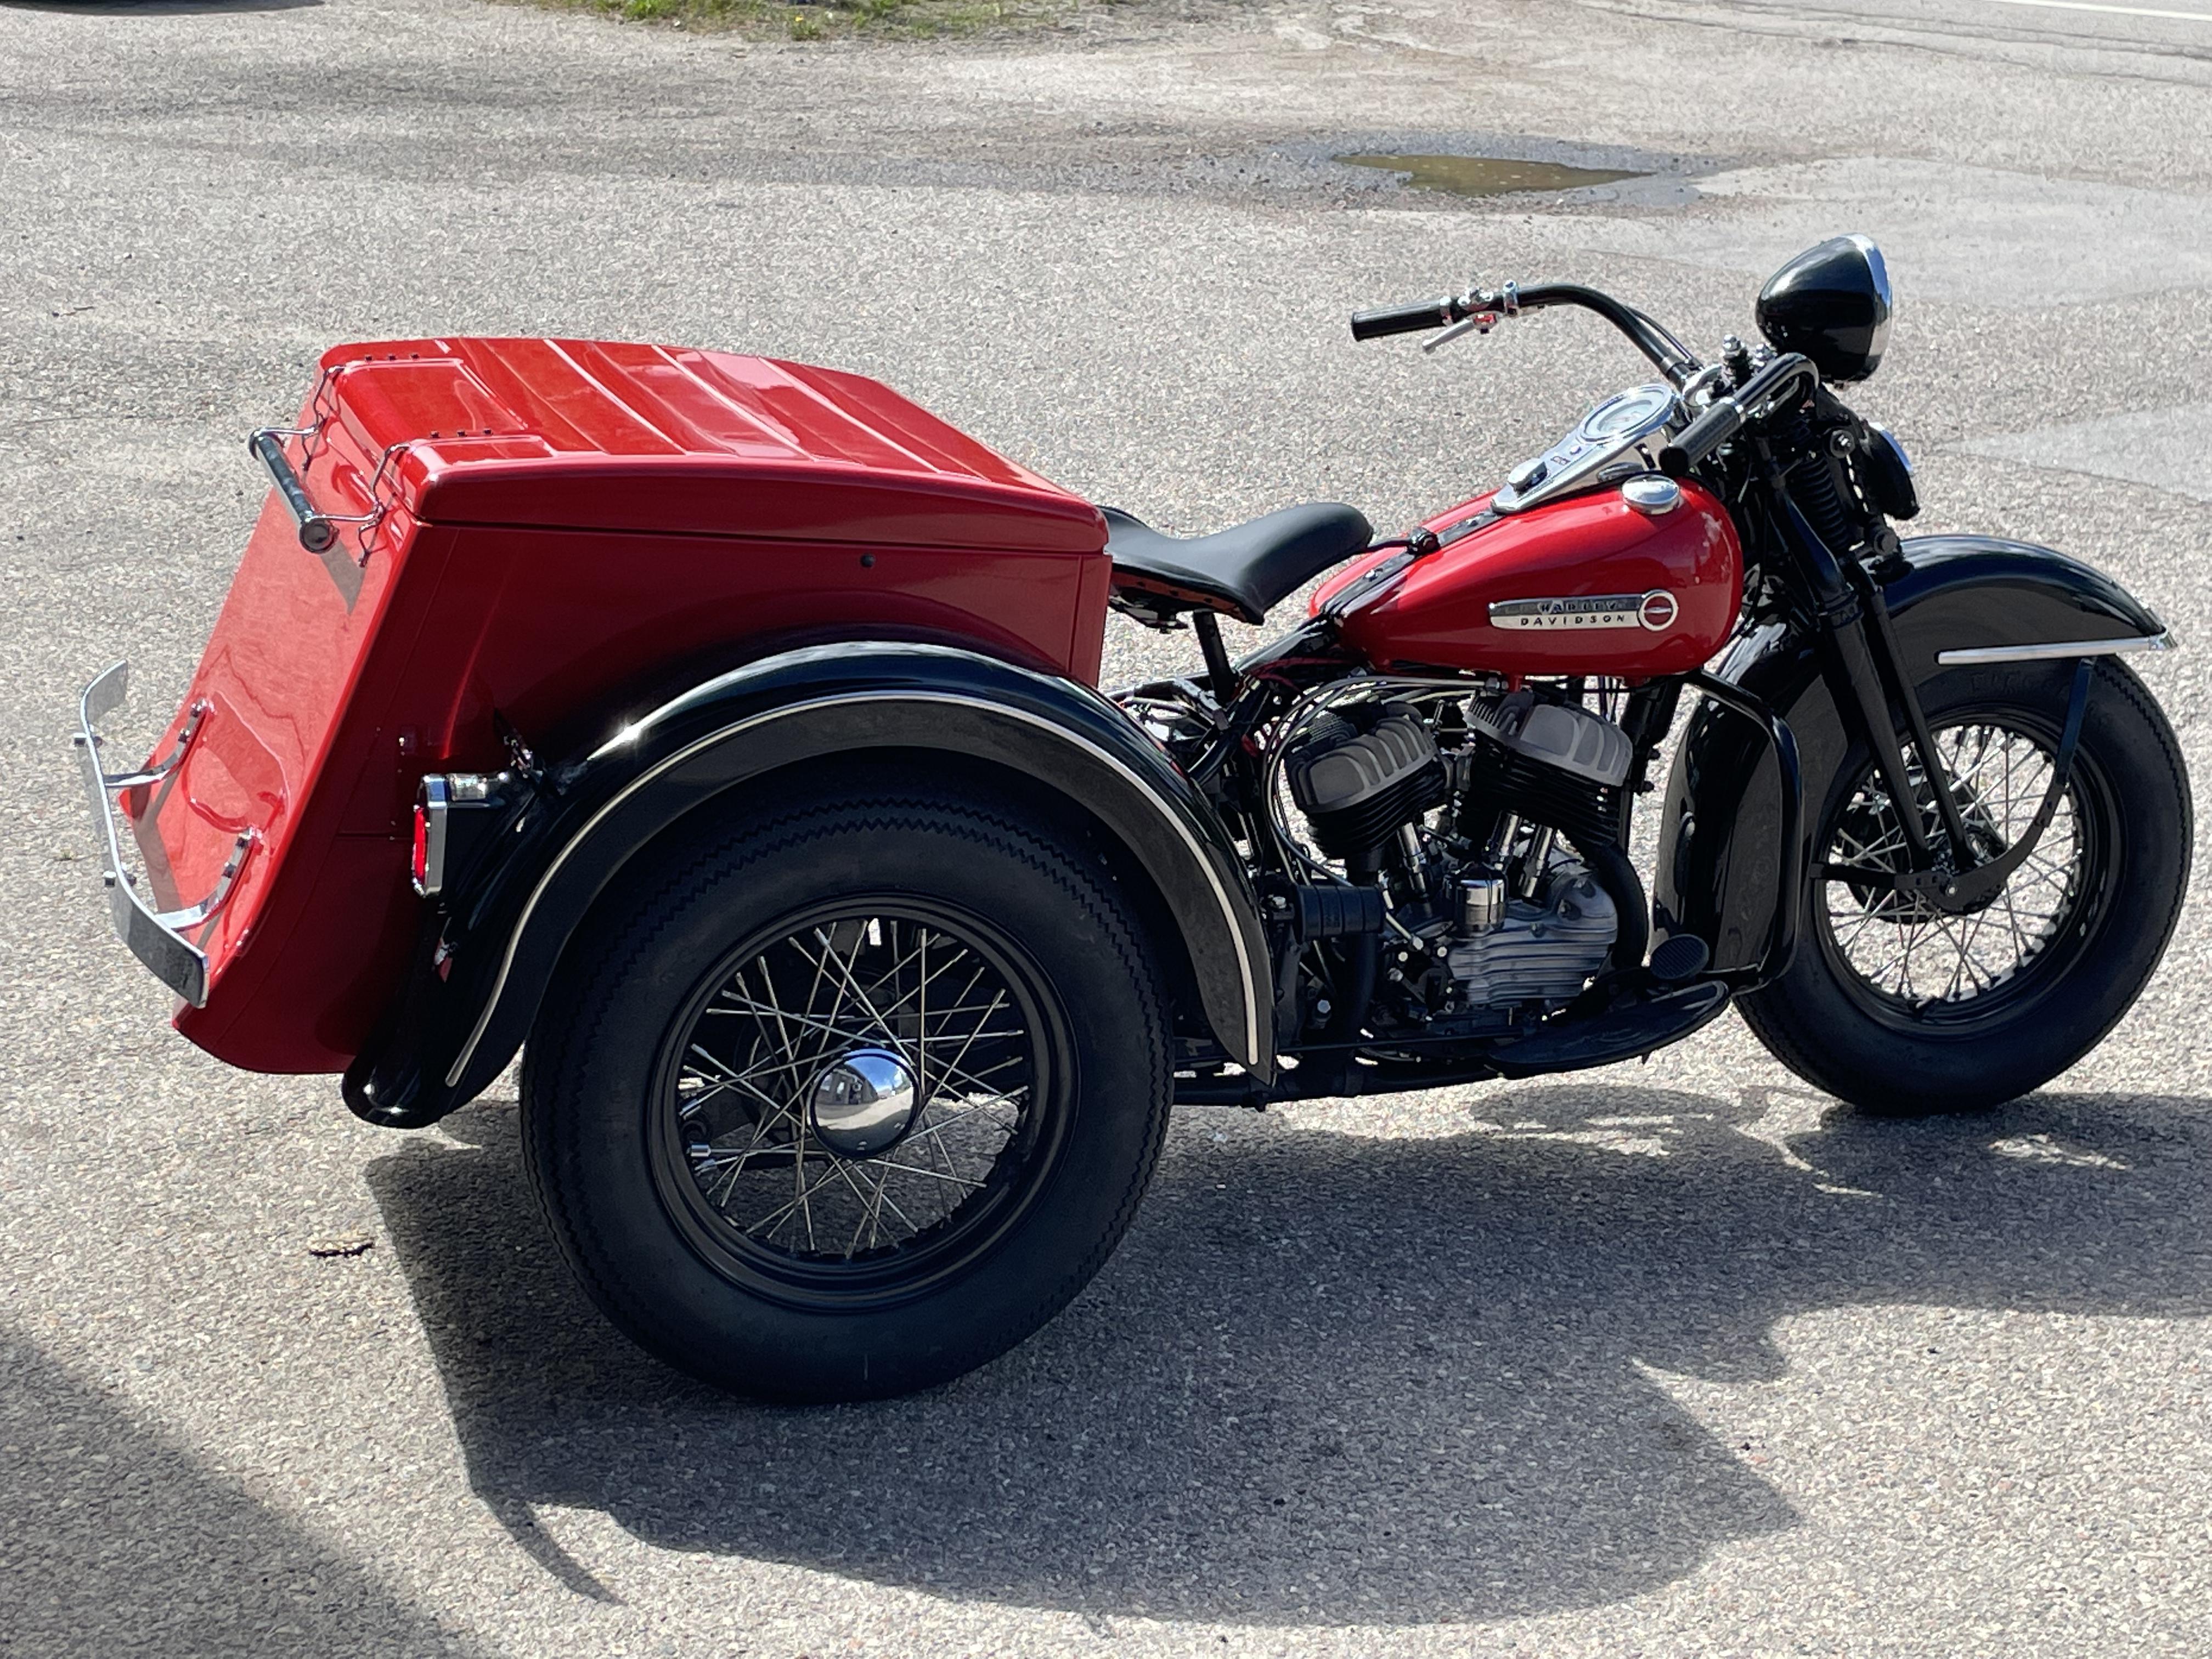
(2057, 650)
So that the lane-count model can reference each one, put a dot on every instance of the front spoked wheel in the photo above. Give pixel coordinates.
(1901, 1007)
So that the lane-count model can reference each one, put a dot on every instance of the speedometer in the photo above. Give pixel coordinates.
(1630, 411)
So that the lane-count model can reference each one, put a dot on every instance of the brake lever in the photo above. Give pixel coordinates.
(1481, 322)
(1484, 310)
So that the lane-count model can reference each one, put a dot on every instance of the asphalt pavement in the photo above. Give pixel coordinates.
(1673, 1358)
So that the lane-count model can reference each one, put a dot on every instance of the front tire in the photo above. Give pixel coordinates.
(850, 1100)
(1906, 1012)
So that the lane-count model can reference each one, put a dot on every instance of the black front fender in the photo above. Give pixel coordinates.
(1970, 598)
(475, 993)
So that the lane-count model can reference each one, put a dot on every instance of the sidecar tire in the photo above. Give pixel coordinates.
(2134, 787)
(784, 1320)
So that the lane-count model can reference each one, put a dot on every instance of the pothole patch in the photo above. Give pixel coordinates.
(1486, 175)
(1477, 171)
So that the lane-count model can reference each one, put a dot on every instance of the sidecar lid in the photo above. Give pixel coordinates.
(608, 435)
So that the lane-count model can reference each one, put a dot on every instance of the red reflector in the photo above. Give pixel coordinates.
(421, 859)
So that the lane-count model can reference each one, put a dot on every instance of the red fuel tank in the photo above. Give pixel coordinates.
(1589, 585)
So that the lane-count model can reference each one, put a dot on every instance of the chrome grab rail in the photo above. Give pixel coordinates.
(158, 771)
(319, 531)
(155, 937)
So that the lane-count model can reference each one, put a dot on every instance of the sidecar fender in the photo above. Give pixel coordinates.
(478, 982)
(1954, 600)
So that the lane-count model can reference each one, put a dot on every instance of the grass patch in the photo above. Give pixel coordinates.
(834, 20)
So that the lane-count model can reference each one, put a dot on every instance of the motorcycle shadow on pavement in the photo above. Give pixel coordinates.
(1329, 1378)
(117, 1538)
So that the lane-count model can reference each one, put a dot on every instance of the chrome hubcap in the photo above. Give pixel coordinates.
(862, 1103)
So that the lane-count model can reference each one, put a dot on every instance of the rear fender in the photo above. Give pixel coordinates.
(1953, 600)
(481, 975)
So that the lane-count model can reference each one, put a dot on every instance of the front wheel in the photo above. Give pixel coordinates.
(1901, 1008)
(850, 1099)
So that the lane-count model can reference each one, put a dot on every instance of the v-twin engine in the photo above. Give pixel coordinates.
(1505, 915)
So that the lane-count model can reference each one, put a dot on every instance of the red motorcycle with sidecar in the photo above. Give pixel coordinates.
(723, 734)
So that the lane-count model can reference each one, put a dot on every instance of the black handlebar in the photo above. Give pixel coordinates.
(1787, 376)
(1670, 353)
(1405, 319)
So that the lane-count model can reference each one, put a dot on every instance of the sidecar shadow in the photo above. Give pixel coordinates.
(1329, 1378)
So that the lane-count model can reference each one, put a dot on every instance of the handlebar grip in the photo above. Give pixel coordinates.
(1402, 320)
(1719, 422)
(1787, 376)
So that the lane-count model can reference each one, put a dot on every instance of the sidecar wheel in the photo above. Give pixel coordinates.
(1903, 1010)
(852, 1099)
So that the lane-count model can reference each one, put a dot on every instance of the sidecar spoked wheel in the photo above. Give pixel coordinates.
(824, 1134)
(852, 1101)
(1902, 1009)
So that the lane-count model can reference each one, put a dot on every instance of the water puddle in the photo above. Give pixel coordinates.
(1486, 175)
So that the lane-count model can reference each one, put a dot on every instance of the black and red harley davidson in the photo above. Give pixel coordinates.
(726, 730)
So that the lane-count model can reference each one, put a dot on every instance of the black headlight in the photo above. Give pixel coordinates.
(1830, 303)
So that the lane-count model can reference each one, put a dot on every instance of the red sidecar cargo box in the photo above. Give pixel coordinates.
(556, 534)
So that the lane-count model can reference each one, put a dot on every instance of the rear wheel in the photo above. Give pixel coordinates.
(851, 1101)
(1902, 1008)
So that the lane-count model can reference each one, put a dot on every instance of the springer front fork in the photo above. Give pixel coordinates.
(1945, 869)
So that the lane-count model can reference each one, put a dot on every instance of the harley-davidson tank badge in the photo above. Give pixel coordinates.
(1655, 610)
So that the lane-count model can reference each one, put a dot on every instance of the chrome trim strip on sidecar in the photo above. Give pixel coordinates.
(154, 936)
(1228, 912)
(2056, 650)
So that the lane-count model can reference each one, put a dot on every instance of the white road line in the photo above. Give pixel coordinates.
(2116, 11)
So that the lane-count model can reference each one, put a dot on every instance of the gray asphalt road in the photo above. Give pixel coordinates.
(2073, 25)
(1677, 1359)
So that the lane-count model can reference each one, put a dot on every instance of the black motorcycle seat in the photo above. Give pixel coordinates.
(1245, 571)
